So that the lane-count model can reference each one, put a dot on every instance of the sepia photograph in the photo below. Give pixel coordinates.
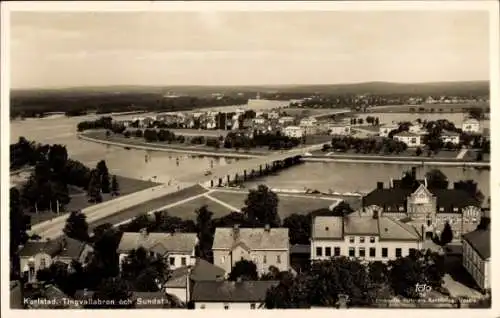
(198, 157)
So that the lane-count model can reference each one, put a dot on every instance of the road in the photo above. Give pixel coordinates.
(154, 198)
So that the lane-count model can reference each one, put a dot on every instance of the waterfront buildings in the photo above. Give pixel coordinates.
(293, 131)
(476, 251)
(450, 136)
(264, 246)
(368, 238)
(426, 209)
(35, 255)
(231, 295)
(471, 125)
(178, 249)
(410, 139)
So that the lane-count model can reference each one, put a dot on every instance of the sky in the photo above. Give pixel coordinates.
(65, 49)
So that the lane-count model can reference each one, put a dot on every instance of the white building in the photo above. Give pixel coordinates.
(286, 120)
(450, 136)
(293, 131)
(410, 139)
(308, 122)
(178, 249)
(471, 125)
(386, 129)
(476, 250)
(259, 120)
(263, 246)
(231, 295)
(369, 238)
(339, 129)
(264, 104)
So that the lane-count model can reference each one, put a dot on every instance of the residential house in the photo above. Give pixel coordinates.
(231, 295)
(450, 136)
(308, 122)
(286, 120)
(259, 120)
(476, 250)
(35, 255)
(293, 132)
(273, 115)
(386, 129)
(178, 249)
(264, 246)
(180, 283)
(471, 125)
(410, 139)
(339, 129)
(368, 238)
(426, 209)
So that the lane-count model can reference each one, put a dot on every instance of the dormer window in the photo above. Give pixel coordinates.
(455, 209)
(388, 209)
(441, 209)
(401, 209)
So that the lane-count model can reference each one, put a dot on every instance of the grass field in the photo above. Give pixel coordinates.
(79, 199)
(187, 210)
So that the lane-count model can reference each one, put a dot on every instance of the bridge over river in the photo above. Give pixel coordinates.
(156, 198)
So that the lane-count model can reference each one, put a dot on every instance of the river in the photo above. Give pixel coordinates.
(163, 166)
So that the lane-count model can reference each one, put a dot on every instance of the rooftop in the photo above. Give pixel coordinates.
(330, 227)
(480, 241)
(161, 243)
(63, 247)
(201, 271)
(226, 291)
(406, 134)
(253, 238)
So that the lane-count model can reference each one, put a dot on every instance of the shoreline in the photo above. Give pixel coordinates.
(314, 158)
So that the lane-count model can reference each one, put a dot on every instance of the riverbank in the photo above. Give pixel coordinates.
(316, 158)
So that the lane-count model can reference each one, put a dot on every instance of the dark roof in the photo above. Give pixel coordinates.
(446, 198)
(226, 291)
(397, 183)
(201, 271)
(71, 248)
(480, 240)
(32, 248)
(300, 249)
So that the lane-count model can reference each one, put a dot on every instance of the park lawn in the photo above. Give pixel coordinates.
(79, 199)
(368, 127)
(187, 210)
(287, 204)
(318, 139)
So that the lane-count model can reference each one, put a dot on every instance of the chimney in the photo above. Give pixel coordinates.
(414, 173)
(267, 228)
(375, 214)
(236, 231)
(143, 232)
(380, 185)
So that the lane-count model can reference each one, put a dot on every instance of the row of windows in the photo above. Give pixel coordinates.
(372, 251)
(352, 239)
(172, 261)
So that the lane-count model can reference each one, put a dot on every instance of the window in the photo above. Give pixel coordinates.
(202, 307)
(361, 252)
(351, 239)
(413, 140)
(278, 259)
(265, 259)
(384, 251)
(372, 239)
(351, 252)
(388, 209)
(319, 251)
(183, 261)
(252, 306)
(226, 306)
(372, 252)
(398, 252)
(42, 263)
(172, 260)
(362, 239)
(401, 209)
(412, 251)
(455, 209)
(151, 254)
(328, 251)
(441, 209)
(222, 259)
(336, 251)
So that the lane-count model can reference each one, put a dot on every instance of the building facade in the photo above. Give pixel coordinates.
(450, 136)
(178, 249)
(426, 209)
(410, 139)
(265, 247)
(367, 238)
(293, 131)
(476, 254)
(339, 129)
(471, 126)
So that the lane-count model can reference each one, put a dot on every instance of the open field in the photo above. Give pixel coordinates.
(79, 199)
(187, 210)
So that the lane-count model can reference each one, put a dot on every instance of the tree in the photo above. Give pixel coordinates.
(76, 226)
(18, 222)
(484, 223)
(471, 187)
(418, 151)
(142, 271)
(245, 270)
(342, 209)
(261, 207)
(436, 179)
(104, 176)
(205, 232)
(115, 187)
(446, 235)
(378, 272)
(94, 187)
(113, 293)
(299, 228)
